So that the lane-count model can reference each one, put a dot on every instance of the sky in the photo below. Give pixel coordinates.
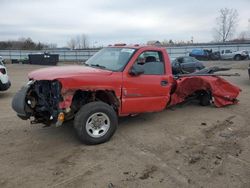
(115, 21)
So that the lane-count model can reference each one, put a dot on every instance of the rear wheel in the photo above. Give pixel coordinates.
(205, 98)
(95, 123)
(237, 57)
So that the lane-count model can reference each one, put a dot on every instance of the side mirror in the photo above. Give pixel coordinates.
(136, 70)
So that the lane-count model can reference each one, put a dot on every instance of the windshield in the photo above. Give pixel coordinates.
(111, 58)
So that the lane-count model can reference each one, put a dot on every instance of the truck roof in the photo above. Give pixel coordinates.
(137, 46)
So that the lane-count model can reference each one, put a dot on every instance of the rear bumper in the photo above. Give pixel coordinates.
(5, 86)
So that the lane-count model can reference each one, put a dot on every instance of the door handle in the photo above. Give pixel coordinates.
(164, 82)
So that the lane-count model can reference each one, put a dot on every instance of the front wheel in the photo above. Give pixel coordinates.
(95, 123)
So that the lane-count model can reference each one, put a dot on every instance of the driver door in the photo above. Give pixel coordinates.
(149, 91)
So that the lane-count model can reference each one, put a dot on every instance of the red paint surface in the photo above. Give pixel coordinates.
(144, 93)
(224, 93)
(80, 77)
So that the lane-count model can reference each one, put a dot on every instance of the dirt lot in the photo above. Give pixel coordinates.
(184, 146)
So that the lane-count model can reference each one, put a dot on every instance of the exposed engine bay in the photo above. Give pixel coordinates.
(39, 99)
(44, 101)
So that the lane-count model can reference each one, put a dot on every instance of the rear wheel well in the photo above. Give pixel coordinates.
(237, 57)
(204, 97)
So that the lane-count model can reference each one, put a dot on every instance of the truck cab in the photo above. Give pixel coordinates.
(235, 55)
(147, 80)
(227, 54)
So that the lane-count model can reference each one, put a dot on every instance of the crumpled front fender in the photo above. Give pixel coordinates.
(19, 103)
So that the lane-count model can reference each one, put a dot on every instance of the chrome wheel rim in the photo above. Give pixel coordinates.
(97, 125)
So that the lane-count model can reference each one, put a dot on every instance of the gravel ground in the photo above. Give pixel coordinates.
(184, 146)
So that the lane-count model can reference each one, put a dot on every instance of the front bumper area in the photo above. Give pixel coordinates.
(5, 86)
(38, 101)
(19, 103)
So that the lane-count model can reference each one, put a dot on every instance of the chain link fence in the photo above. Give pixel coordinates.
(83, 55)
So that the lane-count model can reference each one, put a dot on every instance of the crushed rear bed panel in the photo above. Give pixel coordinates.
(223, 92)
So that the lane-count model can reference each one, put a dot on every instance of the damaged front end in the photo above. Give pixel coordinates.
(39, 99)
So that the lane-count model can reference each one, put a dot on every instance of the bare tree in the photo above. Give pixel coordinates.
(226, 24)
(84, 41)
(52, 45)
(72, 43)
(243, 35)
(78, 42)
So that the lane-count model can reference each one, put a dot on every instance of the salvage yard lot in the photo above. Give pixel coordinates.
(186, 145)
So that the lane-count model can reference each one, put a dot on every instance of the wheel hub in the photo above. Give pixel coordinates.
(98, 125)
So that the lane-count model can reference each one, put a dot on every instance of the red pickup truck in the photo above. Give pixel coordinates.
(117, 81)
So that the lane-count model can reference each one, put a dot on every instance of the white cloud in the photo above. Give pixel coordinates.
(107, 21)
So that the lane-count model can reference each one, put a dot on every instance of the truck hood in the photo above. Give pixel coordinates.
(53, 73)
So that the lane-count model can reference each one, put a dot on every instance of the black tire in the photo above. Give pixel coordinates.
(205, 98)
(237, 57)
(82, 116)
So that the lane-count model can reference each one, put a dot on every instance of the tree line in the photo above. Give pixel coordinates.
(23, 44)
(77, 42)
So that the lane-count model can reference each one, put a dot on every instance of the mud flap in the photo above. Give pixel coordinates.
(19, 103)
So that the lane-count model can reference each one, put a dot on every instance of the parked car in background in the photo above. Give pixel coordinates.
(205, 54)
(215, 55)
(4, 79)
(186, 64)
(237, 55)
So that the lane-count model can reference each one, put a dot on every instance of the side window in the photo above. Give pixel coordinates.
(228, 51)
(187, 60)
(151, 62)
